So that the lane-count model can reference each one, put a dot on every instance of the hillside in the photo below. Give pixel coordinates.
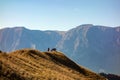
(30, 64)
(95, 47)
(110, 76)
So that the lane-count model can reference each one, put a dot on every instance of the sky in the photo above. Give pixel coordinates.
(58, 14)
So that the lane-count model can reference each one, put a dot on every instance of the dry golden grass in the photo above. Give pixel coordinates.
(29, 64)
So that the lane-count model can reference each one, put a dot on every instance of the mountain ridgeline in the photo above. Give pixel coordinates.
(20, 37)
(95, 47)
(31, 64)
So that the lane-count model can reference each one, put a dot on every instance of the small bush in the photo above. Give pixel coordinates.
(0, 51)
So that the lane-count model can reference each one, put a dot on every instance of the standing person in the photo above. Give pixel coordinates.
(48, 49)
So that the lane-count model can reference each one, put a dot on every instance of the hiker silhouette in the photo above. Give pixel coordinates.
(53, 49)
(48, 49)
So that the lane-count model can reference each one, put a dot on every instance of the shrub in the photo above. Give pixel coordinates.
(0, 51)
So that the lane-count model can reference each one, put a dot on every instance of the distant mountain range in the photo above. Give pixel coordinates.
(95, 47)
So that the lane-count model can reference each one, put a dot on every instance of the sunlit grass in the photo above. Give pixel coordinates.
(31, 64)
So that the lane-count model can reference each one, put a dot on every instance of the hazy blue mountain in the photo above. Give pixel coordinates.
(20, 37)
(96, 47)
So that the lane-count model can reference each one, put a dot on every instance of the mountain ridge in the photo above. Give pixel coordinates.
(88, 44)
(95, 47)
(31, 64)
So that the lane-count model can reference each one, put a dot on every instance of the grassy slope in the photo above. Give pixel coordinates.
(28, 64)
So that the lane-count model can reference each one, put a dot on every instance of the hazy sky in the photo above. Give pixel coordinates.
(58, 14)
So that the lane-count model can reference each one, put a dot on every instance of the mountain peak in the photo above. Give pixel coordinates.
(85, 25)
